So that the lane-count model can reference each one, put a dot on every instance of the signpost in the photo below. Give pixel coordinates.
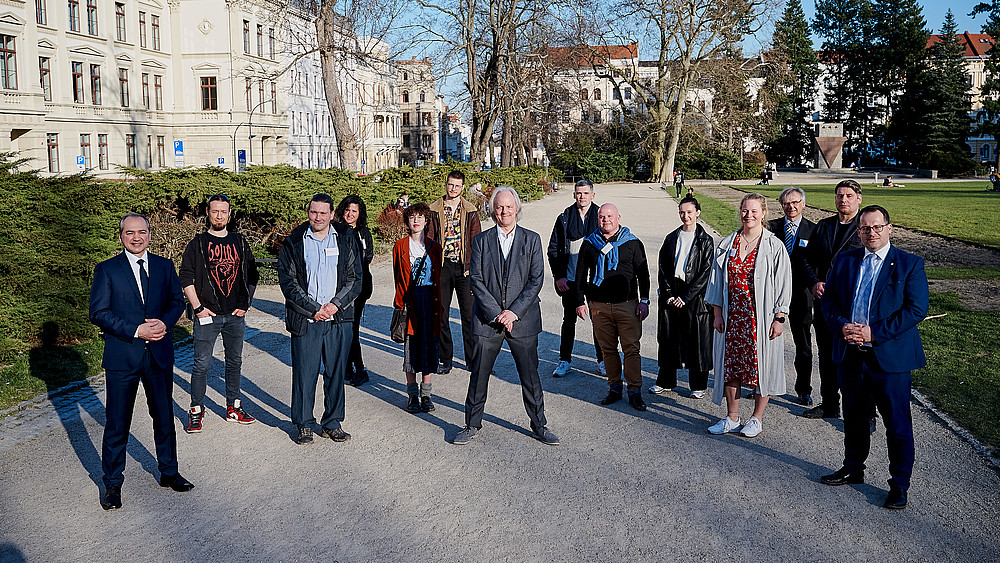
(241, 159)
(222, 162)
(81, 167)
(179, 154)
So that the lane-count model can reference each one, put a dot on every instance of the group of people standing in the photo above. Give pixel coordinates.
(722, 308)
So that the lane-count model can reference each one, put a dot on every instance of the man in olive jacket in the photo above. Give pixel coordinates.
(320, 276)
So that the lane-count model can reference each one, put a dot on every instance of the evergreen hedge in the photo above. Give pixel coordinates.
(54, 230)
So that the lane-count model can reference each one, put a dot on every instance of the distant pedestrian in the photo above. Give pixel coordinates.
(416, 267)
(613, 275)
(219, 276)
(453, 221)
(678, 182)
(684, 327)
(750, 291)
(568, 234)
(352, 212)
(319, 271)
(506, 273)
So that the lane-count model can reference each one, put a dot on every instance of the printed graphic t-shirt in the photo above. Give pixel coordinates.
(224, 270)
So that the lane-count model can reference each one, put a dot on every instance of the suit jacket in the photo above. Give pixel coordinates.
(801, 288)
(899, 302)
(117, 308)
(823, 248)
(518, 293)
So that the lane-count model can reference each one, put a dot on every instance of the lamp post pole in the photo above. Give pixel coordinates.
(250, 127)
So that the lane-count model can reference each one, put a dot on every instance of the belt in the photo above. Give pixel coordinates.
(453, 260)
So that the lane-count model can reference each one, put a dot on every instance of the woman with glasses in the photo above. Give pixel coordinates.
(416, 267)
(750, 289)
(353, 212)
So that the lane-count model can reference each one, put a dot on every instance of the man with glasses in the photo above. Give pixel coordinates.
(795, 230)
(219, 275)
(571, 229)
(831, 236)
(873, 300)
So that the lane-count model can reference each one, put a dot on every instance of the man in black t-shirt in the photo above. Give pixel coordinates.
(218, 275)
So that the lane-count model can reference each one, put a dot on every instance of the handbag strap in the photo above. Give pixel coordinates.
(419, 266)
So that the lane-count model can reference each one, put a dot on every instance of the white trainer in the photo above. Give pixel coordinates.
(752, 427)
(724, 425)
(601, 370)
(700, 394)
(561, 369)
(657, 390)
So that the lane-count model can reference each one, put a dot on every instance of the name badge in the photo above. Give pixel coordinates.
(803, 242)
(732, 251)
(205, 320)
(607, 248)
(331, 250)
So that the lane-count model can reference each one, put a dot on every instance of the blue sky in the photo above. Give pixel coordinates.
(934, 11)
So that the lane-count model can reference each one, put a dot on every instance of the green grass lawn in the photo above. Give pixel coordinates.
(941, 273)
(962, 210)
(719, 214)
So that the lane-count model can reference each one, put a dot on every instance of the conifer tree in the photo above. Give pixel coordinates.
(991, 81)
(795, 86)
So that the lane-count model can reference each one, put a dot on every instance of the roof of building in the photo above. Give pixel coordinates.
(590, 54)
(976, 44)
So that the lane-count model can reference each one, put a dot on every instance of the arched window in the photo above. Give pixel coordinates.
(422, 96)
(597, 94)
(984, 152)
(406, 96)
(583, 94)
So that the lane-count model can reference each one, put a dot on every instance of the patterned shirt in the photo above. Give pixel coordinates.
(452, 227)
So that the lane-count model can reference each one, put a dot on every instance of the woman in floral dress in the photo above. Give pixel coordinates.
(749, 290)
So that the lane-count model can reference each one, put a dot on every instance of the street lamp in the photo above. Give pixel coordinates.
(250, 127)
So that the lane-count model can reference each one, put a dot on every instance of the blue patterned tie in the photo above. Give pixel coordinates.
(859, 313)
(789, 237)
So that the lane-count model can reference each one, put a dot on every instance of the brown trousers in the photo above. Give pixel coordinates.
(614, 322)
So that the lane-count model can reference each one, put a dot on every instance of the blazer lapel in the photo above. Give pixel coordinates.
(130, 276)
(884, 274)
(853, 271)
(493, 253)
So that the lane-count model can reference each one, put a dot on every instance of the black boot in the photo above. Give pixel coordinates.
(414, 404)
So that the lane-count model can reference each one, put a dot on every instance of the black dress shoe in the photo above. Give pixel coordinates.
(806, 400)
(444, 368)
(414, 404)
(896, 499)
(360, 378)
(613, 397)
(635, 399)
(820, 412)
(844, 476)
(177, 483)
(112, 498)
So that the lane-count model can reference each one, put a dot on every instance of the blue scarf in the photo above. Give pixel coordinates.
(611, 258)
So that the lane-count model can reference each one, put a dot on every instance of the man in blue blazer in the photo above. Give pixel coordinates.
(505, 274)
(135, 300)
(874, 298)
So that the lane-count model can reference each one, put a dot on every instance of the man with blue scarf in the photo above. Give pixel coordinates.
(613, 276)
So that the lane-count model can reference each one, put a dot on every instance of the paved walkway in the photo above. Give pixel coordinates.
(622, 486)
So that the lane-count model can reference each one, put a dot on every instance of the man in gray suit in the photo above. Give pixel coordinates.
(506, 273)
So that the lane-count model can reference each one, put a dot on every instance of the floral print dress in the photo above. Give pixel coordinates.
(741, 324)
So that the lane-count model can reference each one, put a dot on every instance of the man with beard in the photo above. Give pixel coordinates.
(219, 275)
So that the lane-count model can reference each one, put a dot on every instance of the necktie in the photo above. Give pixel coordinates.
(789, 237)
(859, 312)
(143, 281)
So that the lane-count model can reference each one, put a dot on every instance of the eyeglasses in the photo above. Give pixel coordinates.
(876, 228)
(787, 203)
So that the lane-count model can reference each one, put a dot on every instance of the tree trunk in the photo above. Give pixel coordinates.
(329, 37)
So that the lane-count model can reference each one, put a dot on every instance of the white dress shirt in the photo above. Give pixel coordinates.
(133, 261)
(506, 241)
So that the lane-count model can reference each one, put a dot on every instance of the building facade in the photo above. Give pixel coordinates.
(421, 109)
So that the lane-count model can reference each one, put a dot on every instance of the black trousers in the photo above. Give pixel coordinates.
(800, 320)
(829, 389)
(866, 387)
(355, 363)
(453, 279)
(568, 331)
(122, 386)
(484, 356)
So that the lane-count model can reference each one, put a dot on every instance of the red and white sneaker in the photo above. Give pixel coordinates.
(194, 420)
(236, 413)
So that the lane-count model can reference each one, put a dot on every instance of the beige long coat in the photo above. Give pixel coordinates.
(772, 282)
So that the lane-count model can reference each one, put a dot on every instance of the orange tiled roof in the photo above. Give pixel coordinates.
(586, 55)
(976, 44)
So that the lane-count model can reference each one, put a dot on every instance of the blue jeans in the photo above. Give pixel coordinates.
(323, 345)
(232, 329)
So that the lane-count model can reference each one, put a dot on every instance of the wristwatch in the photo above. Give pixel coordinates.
(198, 309)
(780, 319)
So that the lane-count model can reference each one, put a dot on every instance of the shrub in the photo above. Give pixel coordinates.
(716, 164)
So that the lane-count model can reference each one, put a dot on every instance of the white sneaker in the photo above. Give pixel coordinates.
(657, 390)
(698, 394)
(752, 427)
(561, 369)
(725, 425)
(601, 370)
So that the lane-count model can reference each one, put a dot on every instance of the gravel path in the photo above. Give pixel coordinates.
(622, 486)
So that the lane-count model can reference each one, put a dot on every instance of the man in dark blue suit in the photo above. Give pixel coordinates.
(874, 298)
(135, 300)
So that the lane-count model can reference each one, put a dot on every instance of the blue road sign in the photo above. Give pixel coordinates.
(222, 160)
(79, 160)
(178, 148)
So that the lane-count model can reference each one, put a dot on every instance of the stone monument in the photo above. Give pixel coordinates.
(829, 146)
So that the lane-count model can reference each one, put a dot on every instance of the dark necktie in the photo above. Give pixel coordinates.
(790, 237)
(143, 281)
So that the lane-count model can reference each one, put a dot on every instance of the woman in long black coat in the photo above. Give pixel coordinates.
(352, 210)
(684, 328)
